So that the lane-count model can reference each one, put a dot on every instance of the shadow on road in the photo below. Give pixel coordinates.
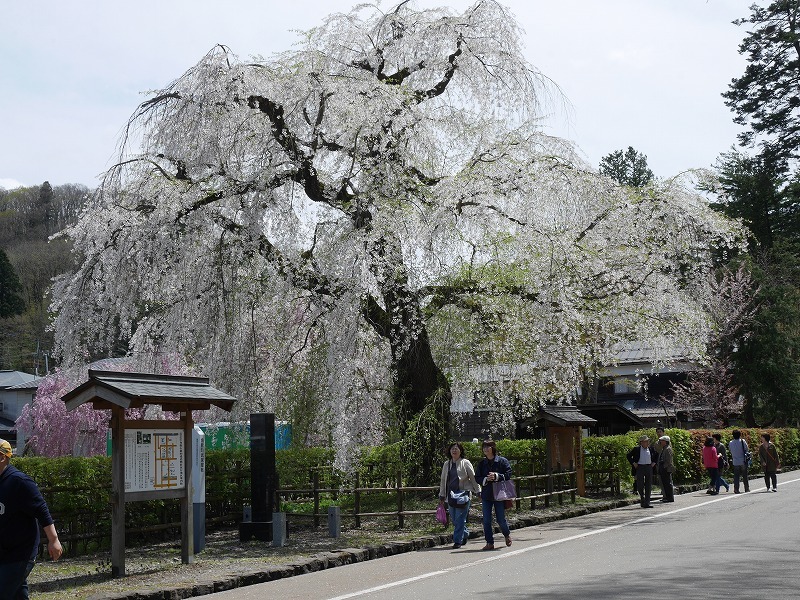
(741, 579)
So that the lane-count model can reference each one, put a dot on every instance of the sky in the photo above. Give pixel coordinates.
(641, 73)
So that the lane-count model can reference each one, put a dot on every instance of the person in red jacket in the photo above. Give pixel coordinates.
(711, 463)
(22, 512)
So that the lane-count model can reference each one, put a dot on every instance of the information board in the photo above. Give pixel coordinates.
(154, 460)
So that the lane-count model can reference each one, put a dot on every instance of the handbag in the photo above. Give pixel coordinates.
(504, 490)
(748, 456)
(458, 499)
(441, 514)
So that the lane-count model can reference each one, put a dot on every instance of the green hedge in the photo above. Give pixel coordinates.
(84, 483)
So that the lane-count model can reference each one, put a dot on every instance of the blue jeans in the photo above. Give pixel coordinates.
(14, 580)
(459, 518)
(720, 481)
(713, 475)
(500, 511)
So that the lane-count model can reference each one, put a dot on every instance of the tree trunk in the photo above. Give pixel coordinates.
(422, 393)
(423, 397)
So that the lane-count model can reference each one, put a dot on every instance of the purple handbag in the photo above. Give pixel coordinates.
(504, 490)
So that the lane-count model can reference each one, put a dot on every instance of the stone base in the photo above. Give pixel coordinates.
(259, 530)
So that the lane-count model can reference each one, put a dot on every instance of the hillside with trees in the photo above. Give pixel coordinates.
(29, 260)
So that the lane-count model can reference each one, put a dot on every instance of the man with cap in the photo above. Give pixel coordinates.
(22, 512)
(642, 460)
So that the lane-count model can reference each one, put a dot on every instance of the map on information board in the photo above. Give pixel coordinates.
(153, 460)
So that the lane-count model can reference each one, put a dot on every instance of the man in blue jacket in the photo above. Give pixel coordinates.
(22, 512)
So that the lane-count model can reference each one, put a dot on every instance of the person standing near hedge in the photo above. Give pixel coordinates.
(768, 454)
(655, 448)
(739, 450)
(643, 461)
(666, 467)
(493, 468)
(458, 475)
(22, 512)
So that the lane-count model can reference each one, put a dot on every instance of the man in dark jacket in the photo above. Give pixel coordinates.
(22, 512)
(642, 460)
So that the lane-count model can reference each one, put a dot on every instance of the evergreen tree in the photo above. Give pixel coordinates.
(10, 301)
(763, 192)
(756, 190)
(766, 98)
(627, 167)
(767, 365)
(46, 205)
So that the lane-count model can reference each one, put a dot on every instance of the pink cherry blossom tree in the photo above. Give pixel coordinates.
(51, 430)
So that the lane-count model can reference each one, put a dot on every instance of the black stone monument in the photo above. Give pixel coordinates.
(263, 478)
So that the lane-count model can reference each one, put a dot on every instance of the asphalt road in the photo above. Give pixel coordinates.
(727, 546)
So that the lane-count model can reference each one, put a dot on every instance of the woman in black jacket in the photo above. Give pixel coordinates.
(493, 468)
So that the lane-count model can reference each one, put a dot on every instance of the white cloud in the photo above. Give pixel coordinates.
(9, 184)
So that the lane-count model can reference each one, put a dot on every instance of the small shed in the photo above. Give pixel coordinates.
(564, 433)
(169, 461)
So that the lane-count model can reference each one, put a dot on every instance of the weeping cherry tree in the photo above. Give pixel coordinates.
(378, 204)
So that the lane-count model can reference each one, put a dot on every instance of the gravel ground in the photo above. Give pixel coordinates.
(225, 559)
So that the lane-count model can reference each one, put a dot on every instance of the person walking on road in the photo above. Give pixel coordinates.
(456, 484)
(491, 469)
(643, 460)
(710, 458)
(655, 448)
(721, 463)
(666, 467)
(768, 454)
(22, 512)
(739, 452)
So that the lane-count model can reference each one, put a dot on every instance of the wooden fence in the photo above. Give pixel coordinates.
(84, 529)
(530, 489)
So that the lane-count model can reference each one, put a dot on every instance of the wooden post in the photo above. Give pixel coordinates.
(117, 491)
(400, 518)
(560, 475)
(187, 510)
(572, 483)
(357, 500)
(315, 485)
(548, 465)
(580, 466)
